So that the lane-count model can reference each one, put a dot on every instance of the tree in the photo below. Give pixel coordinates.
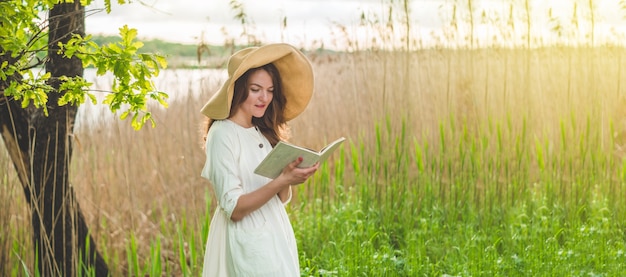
(41, 87)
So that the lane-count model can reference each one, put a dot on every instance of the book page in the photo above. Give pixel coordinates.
(328, 150)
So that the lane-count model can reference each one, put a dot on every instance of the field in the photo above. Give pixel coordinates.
(491, 162)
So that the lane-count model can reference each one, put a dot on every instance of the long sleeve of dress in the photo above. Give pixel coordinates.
(222, 170)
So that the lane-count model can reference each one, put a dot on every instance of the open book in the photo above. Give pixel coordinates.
(284, 153)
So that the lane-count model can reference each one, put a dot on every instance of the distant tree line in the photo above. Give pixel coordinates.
(178, 54)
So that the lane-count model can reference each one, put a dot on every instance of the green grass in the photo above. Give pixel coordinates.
(393, 216)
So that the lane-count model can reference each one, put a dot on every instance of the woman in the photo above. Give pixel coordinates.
(250, 232)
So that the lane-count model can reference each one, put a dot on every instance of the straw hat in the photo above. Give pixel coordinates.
(295, 71)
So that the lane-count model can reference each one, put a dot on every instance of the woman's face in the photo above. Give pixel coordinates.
(260, 89)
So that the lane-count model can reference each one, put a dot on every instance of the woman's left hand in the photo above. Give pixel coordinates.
(295, 175)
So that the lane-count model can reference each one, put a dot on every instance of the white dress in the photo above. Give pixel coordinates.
(263, 242)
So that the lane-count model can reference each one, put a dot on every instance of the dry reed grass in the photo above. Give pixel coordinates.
(146, 182)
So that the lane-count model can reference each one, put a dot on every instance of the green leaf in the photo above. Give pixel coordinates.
(113, 49)
(107, 6)
(74, 91)
(124, 115)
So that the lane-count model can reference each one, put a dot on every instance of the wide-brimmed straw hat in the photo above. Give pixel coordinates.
(296, 74)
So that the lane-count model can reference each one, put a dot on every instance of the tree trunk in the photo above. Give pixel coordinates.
(40, 148)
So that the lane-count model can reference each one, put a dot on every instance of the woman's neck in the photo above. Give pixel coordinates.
(242, 123)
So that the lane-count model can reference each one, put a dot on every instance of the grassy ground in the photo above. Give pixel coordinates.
(463, 163)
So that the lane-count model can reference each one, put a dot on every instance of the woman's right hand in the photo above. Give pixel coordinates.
(294, 175)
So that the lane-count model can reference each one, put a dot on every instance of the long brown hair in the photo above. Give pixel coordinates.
(273, 124)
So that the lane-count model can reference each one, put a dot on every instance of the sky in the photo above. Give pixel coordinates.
(192, 21)
(189, 20)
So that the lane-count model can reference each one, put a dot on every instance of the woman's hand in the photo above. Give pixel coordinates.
(293, 175)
